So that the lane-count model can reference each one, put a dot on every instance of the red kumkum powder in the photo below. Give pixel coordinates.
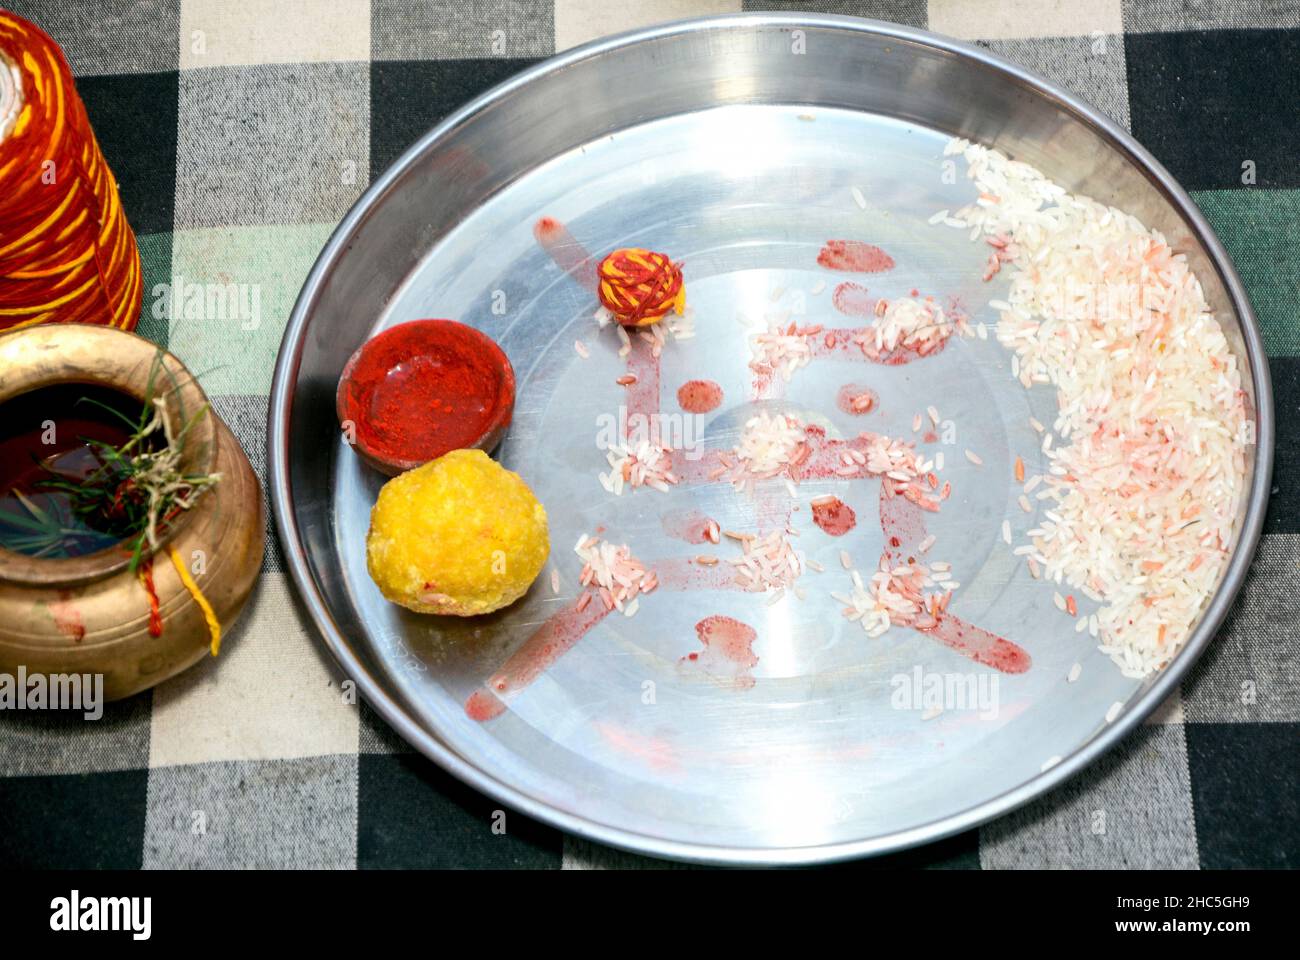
(424, 388)
(834, 516)
(854, 256)
(699, 396)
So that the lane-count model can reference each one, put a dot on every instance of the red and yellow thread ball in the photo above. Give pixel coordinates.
(639, 287)
(67, 254)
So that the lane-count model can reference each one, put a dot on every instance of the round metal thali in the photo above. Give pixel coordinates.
(736, 144)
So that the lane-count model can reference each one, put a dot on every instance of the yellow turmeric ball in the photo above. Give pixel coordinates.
(460, 535)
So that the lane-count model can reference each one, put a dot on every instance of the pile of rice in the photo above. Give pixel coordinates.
(768, 563)
(770, 446)
(782, 349)
(646, 465)
(678, 327)
(908, 323)
(911, 594)
(1148, 473)
(902, 472)
(614, 575)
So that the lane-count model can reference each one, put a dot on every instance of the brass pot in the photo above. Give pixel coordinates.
(90, 614)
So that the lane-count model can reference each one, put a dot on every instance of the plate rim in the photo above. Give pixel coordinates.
(389, 706)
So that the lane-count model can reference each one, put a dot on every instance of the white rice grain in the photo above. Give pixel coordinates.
(1147, 456)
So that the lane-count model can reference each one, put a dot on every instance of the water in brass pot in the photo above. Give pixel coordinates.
(63, 490)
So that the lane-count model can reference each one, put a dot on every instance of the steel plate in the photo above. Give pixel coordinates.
(733, 143)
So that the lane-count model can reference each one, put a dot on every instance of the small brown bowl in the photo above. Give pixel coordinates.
(424, 388)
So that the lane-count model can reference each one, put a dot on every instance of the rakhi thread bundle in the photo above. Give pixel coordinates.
(67, 254)
(639, 286)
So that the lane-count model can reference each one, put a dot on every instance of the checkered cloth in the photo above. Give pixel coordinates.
(241, 131)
